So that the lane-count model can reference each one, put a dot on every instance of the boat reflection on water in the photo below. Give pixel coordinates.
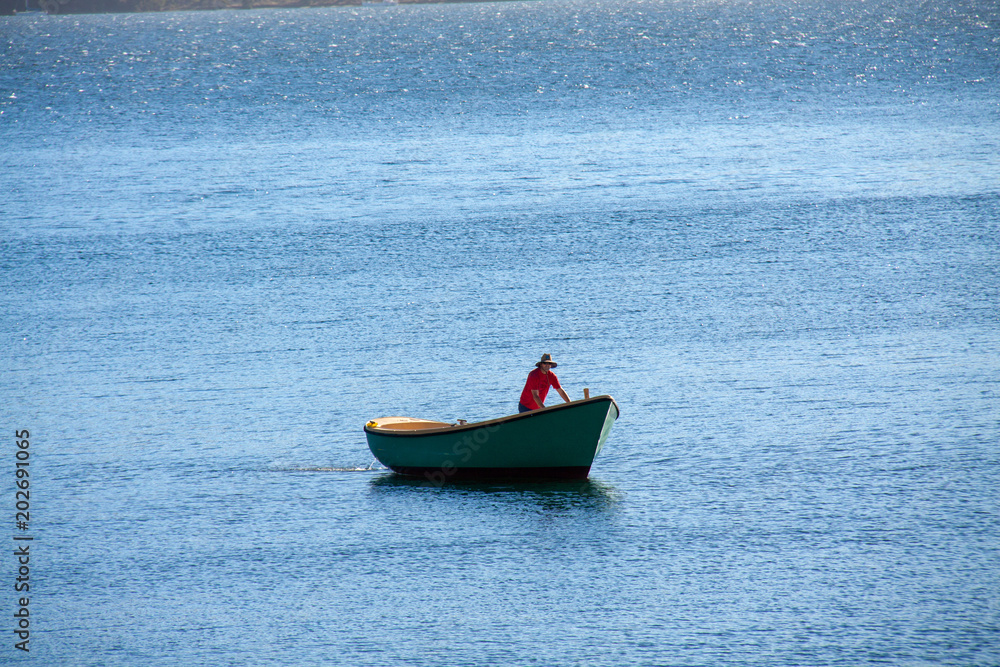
(556, 495)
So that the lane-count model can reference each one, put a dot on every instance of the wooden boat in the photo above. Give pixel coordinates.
(557, 442)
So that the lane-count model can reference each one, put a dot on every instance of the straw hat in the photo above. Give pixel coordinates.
(546, 359)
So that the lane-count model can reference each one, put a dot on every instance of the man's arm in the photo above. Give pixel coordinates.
(563, 394)
(538, 401)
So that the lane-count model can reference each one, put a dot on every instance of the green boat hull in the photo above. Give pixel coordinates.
(559, 442)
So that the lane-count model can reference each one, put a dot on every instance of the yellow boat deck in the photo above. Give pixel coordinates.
(407, 424)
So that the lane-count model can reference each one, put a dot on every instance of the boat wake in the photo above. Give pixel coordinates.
(374, 466)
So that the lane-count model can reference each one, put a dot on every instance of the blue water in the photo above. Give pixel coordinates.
(771, 231)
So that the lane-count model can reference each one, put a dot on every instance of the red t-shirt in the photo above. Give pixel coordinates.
(540, 381)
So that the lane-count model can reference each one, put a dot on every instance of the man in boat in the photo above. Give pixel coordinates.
(536, 388)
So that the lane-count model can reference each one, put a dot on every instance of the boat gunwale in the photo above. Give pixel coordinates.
(458, 428)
